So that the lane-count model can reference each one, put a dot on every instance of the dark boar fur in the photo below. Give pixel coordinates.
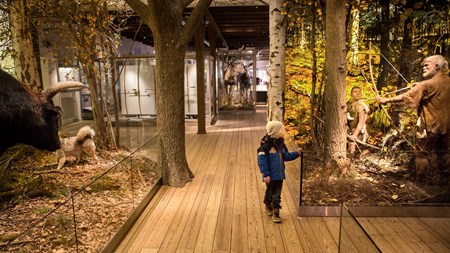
(27, 117)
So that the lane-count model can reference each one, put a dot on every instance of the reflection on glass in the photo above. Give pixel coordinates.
(352, 237)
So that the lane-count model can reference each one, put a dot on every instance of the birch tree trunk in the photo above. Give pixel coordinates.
(277, 61)
(335, 73)
(26, 60)
(354, 42)
(171, 39)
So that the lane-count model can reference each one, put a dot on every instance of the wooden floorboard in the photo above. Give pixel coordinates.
(222, 239)
(255, 216)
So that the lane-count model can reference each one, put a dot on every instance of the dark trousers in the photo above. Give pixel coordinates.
(432, 156)
(273, 193)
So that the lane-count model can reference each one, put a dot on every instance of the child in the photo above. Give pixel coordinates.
(357, 114)
(271, 156)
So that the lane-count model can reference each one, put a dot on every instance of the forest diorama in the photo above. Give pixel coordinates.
(382, 173)
(76, 208)
(100, 198)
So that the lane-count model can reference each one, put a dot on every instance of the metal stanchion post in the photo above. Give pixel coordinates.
(301, 177)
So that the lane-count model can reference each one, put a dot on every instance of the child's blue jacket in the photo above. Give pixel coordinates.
(271, 156)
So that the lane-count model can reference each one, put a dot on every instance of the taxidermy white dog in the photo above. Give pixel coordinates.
(77, 146)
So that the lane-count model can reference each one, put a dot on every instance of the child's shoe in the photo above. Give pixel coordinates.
(268, 210)
(276, 216)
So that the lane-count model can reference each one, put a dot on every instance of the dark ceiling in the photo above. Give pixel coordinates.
(241, 27)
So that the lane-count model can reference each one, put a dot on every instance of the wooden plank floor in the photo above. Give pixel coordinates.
(393, 234)
(221, 210)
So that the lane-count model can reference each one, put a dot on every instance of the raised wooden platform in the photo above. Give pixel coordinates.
(221, 210)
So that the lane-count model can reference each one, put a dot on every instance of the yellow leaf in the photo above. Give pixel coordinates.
(394, 197)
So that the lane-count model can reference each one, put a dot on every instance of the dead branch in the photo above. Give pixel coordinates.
(17, 243)
(59, 171)
(363, 143)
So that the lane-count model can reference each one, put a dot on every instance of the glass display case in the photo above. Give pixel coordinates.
(137, 89)
(137, 86)
(236, 79)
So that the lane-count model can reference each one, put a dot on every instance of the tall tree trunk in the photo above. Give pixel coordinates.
(277, 61)
(303, 33)
(407, 55)
(335, 73)
(171, 39)
(170, 121)
(25, 58)
(314, 78)
(384, 45)
(354, 42)
(90, 48)
(93, 77)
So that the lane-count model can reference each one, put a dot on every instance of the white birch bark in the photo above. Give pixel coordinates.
(25, 62)
(277, 61)
(355, 36)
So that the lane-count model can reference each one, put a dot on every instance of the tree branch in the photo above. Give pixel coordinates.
(139, 7)
(187, 2)
(195, 19)
(362, 143)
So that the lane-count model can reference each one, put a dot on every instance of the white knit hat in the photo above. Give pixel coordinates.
(273, 127)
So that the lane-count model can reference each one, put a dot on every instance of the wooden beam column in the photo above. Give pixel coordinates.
(200, 60)
(212, 37)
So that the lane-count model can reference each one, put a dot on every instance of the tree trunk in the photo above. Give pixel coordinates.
(407, 54)
(312, 119)
(170, 121)
(354, 42)
(26, 60)
(92, 77)
(277, 61)
(335, 73)
(384, 45)
(171, 37)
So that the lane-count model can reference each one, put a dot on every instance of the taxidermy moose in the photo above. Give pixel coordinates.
(27, 117)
